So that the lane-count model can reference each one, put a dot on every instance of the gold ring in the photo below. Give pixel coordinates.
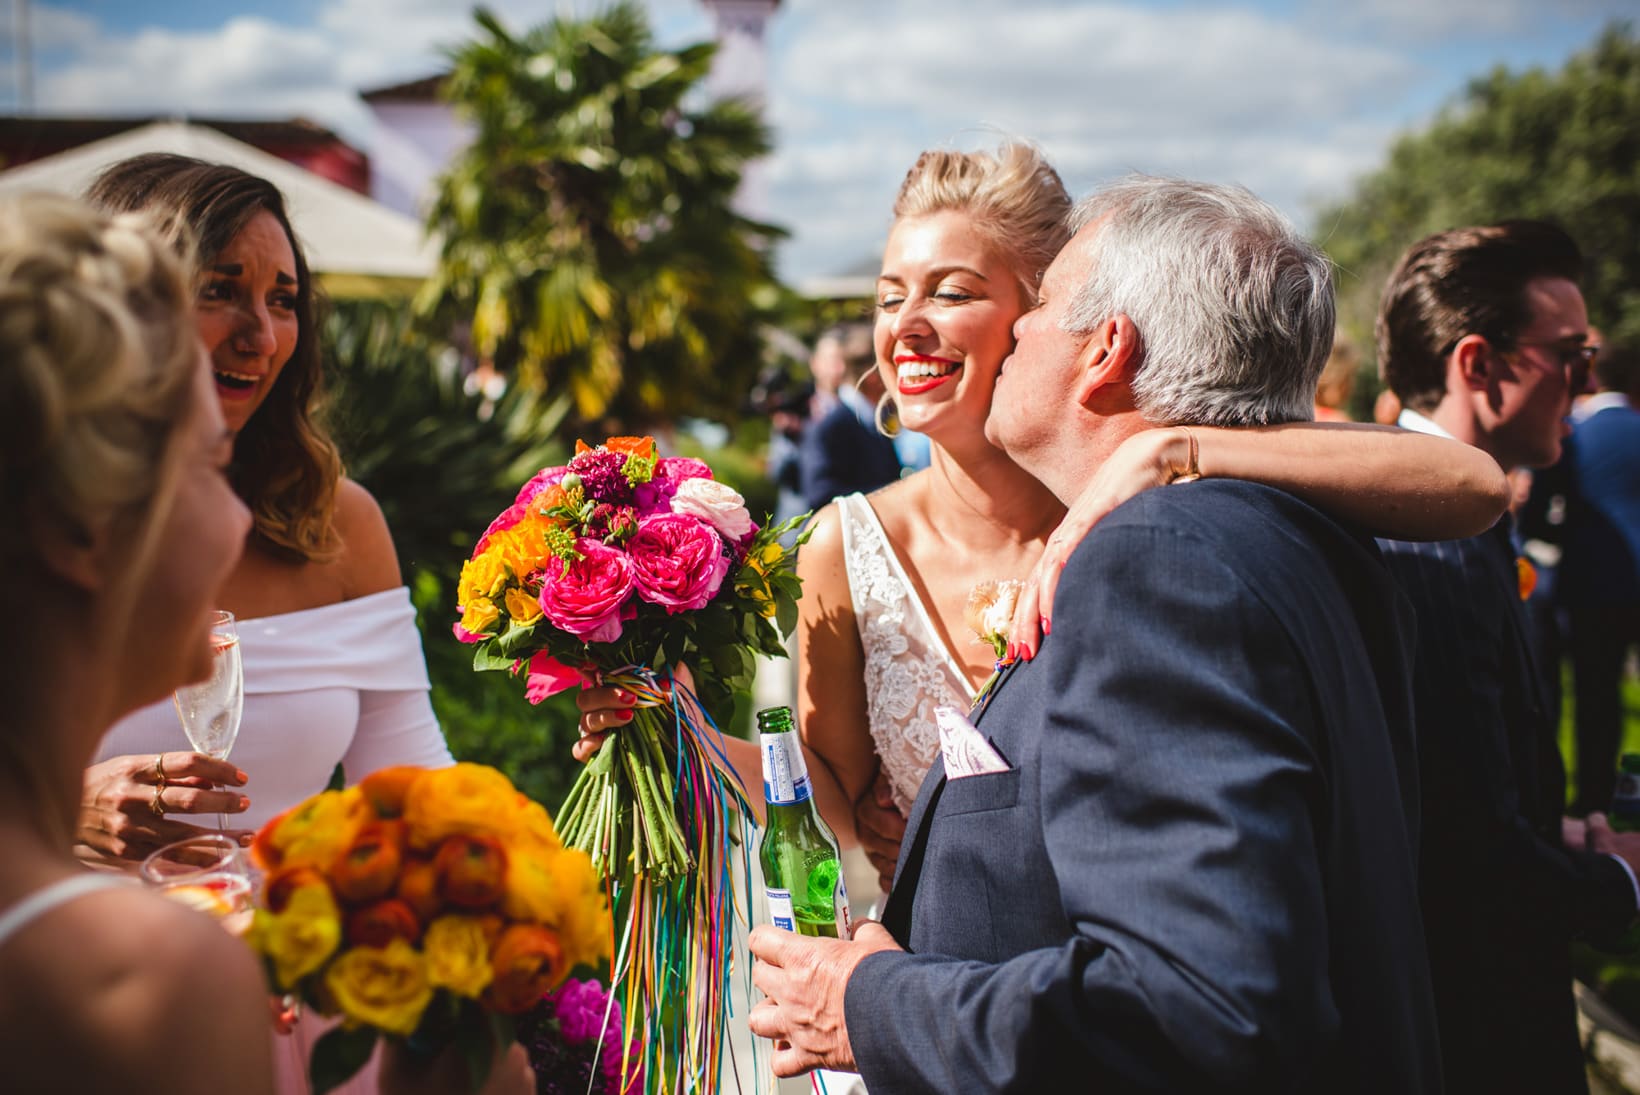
(157, 804)
(159, 768)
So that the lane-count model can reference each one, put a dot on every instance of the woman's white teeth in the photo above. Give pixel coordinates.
(912, 370)
(241, 377)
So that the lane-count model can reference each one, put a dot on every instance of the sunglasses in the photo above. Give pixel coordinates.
(1576, 358)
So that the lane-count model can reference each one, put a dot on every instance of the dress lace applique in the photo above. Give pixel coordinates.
(908, 669)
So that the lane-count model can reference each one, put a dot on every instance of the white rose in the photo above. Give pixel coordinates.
(718, 504)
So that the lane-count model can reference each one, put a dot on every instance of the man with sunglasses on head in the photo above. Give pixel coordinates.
(1483, 334)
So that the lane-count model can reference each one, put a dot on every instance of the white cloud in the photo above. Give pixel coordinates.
(1424, 21)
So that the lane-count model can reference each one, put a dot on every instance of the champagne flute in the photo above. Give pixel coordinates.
(207, 873)
(210, 709)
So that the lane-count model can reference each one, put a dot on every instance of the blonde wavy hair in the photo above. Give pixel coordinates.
(98, 354)
(1016, 199)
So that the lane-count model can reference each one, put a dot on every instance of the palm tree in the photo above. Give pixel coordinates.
(588, 235)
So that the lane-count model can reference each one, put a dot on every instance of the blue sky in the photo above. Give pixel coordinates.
(1293, 98)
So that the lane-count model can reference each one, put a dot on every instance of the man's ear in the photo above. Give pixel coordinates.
(1473, 360)
(1110, 356)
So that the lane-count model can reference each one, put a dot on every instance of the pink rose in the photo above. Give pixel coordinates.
(544, 478)
(590, 600)
(677, 468)
(718, 504)
(677, 561)
(547, 676)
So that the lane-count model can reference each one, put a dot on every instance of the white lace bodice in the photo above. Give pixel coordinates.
(909, 671)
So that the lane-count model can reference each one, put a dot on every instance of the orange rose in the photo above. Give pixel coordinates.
(472, 871)
(317, 831)
(466, 799)
(418, 887)
(369, 867)
(385, 789)
(527, 962)
(378, 924)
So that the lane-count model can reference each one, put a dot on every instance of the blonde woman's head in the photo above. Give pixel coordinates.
(111, 449)
(1013, 196)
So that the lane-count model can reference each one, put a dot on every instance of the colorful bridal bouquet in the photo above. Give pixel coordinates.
(426, 905)
(611, 570)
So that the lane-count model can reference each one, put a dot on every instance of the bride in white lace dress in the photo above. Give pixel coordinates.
(880, 637)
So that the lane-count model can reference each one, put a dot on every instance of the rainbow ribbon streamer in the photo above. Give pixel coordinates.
(674, 955)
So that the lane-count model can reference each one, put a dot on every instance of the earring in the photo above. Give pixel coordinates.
(887, 417)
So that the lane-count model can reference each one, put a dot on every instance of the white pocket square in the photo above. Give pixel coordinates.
(964, 749)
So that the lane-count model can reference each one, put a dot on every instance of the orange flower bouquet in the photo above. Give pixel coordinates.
(427, 905)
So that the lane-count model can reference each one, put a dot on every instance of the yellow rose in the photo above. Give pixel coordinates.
(317, 831)
(386, 987)
(458, 955)
(482, 577)
(526, 546)
(300, 938)
(466, 800)
(480, 615)
(523, 608)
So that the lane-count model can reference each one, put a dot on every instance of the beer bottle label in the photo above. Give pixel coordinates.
(785, 776)
(781, 914)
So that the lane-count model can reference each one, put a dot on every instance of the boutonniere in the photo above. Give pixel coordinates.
(989, 614)
(1526, 575)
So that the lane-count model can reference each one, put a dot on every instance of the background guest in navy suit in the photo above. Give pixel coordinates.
(1196, 870)
(1483, 335)
(843, 451)
(1600, 565)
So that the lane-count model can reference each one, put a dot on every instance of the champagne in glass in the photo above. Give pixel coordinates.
(207, 873)
(210, 709)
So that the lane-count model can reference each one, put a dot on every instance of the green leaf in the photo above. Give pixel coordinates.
(785, 615)
(516, 642)
(487, 656)
(338, 1055)
(475, 1042)
(338, 778)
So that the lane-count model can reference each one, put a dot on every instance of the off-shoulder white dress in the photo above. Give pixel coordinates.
(345, 682)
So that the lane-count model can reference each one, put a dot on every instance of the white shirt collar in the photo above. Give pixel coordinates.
(1596, 403)
(1410, 419)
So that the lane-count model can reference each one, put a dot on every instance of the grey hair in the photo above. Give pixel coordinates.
(1234, 309)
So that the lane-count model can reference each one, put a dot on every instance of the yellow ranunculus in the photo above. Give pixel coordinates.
(458, 955)
(532, 891)
(584, 925)
(523, 608)
(480, 615)
(524, 547)
(300, 938)
(481, 578)
(533, 822)
(315, 832)
(466, 799)
(386, 987)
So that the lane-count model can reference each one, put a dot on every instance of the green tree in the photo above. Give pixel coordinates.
(1560, 146)
(588, 235)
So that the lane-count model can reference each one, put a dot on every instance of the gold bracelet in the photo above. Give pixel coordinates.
(1192, 470)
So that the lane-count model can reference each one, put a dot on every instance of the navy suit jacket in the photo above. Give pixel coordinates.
(1502, 896)
(1601, 566)
(842, 455)
(1197, 874)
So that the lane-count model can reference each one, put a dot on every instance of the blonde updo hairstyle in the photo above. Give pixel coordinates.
(98, 354)
(1014, 197)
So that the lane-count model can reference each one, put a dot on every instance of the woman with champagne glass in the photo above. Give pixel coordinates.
(333, 667)
(121, 529)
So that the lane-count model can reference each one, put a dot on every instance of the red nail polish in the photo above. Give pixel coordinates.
(1047, 626)
(628, 712)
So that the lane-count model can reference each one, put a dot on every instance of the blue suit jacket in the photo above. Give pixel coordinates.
(1602, 538)
(842, 455)
(1502, 896)
(1198, 873)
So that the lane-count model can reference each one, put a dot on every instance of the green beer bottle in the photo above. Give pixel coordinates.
(802, 873)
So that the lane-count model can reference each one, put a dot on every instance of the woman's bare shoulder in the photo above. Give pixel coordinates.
(369, 563)
(130, 977)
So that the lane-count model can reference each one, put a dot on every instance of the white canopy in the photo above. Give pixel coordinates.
(342, 232)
